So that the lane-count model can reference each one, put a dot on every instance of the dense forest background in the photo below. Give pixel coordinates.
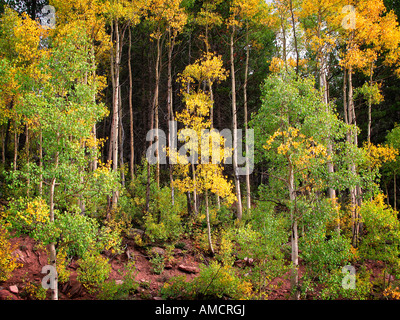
(82, 83)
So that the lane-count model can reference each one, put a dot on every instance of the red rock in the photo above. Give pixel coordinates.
(19, 255)
(188, 269)
(13, 289)
(75, 289)
(7, 295)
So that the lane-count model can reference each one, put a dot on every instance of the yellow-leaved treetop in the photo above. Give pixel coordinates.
(201, 172)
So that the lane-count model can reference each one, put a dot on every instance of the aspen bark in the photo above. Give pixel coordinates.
(170, 107)
(246, 74)
(131, 141)
(209, 226)
(294, 236)
(239, 213)
(52, 246)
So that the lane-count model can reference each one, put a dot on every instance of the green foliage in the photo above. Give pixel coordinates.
(213, 282)
(381, 240)
(25, 215)
(93, 270)
(78, 234)
(157, 263)
(34, 291)
(262, 239)
(225, 248)
(163, 222)
(333, 288)
(322, 247)
(111, 290)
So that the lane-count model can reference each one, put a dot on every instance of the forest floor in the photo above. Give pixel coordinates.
(185, 262)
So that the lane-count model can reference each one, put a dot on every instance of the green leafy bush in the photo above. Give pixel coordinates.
(34, 291)
(93, 270)
(262, 239)
(25, 215)
(157, 263)
(163, 222)
(333, 286)
(111, 290)
(78, 233)
(381, 239)
(213, 282)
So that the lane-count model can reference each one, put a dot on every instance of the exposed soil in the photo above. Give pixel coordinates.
(33, 258)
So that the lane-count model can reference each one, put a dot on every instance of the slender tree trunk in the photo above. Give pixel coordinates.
(209, 226)
(369, 109)
(246, 75)
(16, 144)
(156, 107)
(115, 65)
(94, 130)
(294, 236)
(170, 108)
(52, 246)
(387, 193)
(195, 199)
(121, 139)
(148, 164)
(345, 107)
(323, 84)
(284, 49)
(294, 36)
(355, 192)
(234, 127)
(131, 144)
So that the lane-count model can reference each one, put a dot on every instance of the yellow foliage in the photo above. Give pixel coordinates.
(298, 146)
(206, 176)
(36, 211)
(7, 260)
(379, 154)
(63, 273)
(392, 293)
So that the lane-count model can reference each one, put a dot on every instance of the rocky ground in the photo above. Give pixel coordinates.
(184, 262)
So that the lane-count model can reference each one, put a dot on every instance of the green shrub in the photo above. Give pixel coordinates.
(213, 282)
(333, 288)
(34, 291)
(157, 262)
(163, 221)
(262, 240)
(25, 215)
(93, 270)
(78, 233)
(111, 290)
(381, 239)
